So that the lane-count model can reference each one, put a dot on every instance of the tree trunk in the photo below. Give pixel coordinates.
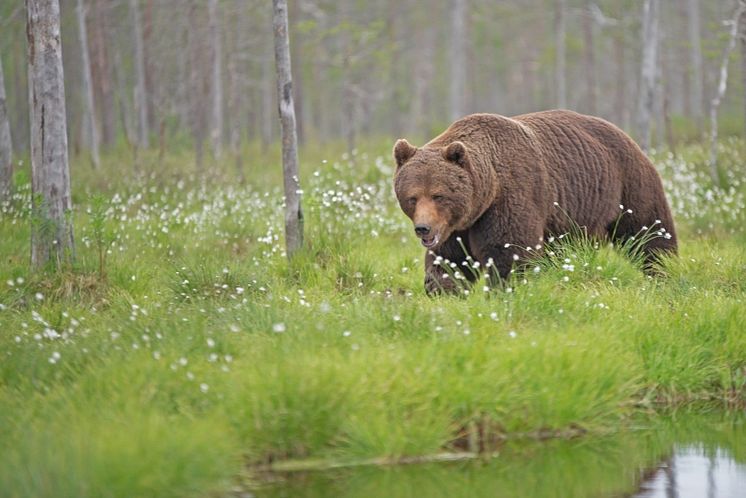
(51, 228)
(647, 80)
(620, 101)
(298, 86)
(141, 98)
(237, 91)
(457, 62)
(6, 146)
(395, 70)
(743, 66)
(423, 78)
(350, 107)
(102, 79)
(722, 86)
(697, 96)
(293, 211)
(89, 117)
(125, 109)
(183, 71)
(150, 85)
(266, 119)
(589, 59)
(560, 76)
(198, 84)
(216, 86)
(351, 102)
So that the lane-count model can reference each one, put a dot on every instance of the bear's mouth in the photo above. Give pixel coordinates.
(430, 241)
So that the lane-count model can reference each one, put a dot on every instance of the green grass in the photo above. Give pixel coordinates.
(201, 349)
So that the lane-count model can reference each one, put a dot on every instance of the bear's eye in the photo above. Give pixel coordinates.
(438, 198)
(412, 201)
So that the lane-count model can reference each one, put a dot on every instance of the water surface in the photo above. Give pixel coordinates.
(684, 456)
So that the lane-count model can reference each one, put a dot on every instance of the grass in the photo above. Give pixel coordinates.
(198, 349)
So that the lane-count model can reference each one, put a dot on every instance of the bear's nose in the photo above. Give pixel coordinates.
(422, 230)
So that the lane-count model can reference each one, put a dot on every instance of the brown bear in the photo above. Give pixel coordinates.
(495, 186)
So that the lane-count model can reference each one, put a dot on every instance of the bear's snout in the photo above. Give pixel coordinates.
(422, 230)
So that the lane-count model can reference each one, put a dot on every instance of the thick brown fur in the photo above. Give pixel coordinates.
(493, 180)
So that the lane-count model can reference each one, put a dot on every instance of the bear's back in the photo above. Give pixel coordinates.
(590, 163)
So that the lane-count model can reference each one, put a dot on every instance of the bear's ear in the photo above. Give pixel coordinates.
(456, 153)
(403, 151)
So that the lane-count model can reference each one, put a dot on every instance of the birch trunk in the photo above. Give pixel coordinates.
(620, 101)
(722, 86)
(216, 86)
(89, 117)
(102, 74)
(590, 59)
(560, 76)
(458, 58)
(395, 73)
(423, 77)
(141, 100)
(183, 106)
(199, 89)
(266, 114)
(51, 228)
(237, 91)
(125, 109)
(742, 24)
(293, 211)
(647, 80)
(696, 98)
(298, 86)
(6, 146)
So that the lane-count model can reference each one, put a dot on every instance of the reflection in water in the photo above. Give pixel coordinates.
(693, 472)
(691, 456)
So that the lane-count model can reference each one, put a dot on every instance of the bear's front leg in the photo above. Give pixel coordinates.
(435, 283)
(505, 237)
(437, 278)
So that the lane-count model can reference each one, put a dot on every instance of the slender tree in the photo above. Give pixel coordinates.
(52, 230)
(216, 85)
(697, 96)
(236, 85)
(621, 113)
(6, 146)
(141, 98)
(742, 24)
(423, 79)
(457, 62)
(90, 126)
(293, 211)
(589, 58)
(722, 86)
(560, 75)
(101, 71)
(647, 80)
(199, 89)
(267, 101)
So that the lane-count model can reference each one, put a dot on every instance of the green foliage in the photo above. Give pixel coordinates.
(206, 349)
(103, 235)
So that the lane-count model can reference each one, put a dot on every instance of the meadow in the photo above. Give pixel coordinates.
(182, 349)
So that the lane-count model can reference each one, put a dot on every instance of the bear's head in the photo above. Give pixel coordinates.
(434, 189)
